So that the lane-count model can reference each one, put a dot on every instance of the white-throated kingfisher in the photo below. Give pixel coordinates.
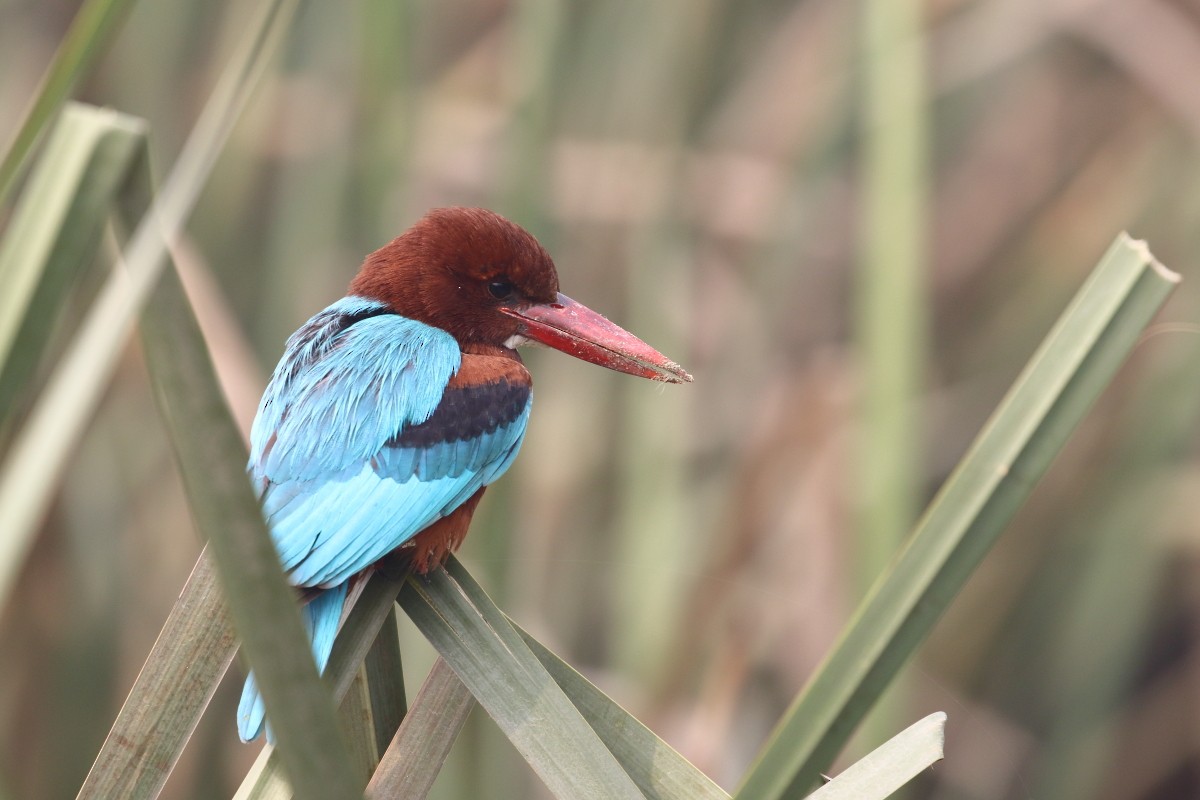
(393, 409)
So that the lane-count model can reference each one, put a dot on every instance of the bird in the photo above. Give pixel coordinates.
(393, 409)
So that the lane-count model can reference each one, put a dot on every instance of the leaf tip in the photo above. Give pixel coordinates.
(938, 719)
(1142, 250)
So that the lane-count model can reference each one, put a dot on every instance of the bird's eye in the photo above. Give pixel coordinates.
(501, 290)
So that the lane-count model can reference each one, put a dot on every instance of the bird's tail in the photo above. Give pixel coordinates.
(321, 618)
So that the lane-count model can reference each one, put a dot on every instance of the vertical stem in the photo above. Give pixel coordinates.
(537, 29)
(358, 726)
(657, 545)
(891, 297)
(385, 679)
(92, 29)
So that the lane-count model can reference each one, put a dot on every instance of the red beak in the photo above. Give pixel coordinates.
(578, 331)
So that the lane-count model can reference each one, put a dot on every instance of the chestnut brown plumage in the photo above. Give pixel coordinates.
(486, 280)
(395, 407)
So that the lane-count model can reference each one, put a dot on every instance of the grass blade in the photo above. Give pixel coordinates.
(891, 340)
(354, 716)
(891, 314)
(385, 682)
(31, 471)
(364, 626)
(513, 687)
(1074, 363)
(56, 226)
(374, 703)
(891, 765)
(192, 652)
(412, 762)
(659, 771)
(91, 30)
(211, 455)
(358, 633)
(55, 230)
(265, 780)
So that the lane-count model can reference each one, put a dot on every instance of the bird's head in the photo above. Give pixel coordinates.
(487, 281)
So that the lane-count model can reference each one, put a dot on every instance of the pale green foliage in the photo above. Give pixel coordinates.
(578, 739)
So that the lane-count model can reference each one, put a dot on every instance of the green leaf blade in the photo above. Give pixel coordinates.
(412, 761)
(516, 691)
(1074, 363)
(57, 224)
(92, 29)
(891, 765)
(41, 452)
(385, 682)
(362, 628)
(192, 652)
(657, 768)
(263, 606)
(54, 229)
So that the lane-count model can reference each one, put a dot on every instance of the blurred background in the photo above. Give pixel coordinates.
(853, 225)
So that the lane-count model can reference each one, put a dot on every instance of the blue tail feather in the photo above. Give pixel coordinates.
(321, 617)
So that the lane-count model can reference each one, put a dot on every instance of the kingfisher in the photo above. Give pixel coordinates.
(394, 408)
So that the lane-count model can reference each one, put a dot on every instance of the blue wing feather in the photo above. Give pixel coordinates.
(345, 464)
(336, 496)
(321, 619)
(359, 445)
(332, 403)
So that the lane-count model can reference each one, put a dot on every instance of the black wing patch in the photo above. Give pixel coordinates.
(320, 334)
(467, 412)
(319, 331)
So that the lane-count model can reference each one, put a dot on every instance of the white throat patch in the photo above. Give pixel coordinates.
(515, 341)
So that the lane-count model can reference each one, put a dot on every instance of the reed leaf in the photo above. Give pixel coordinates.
(1073, 365)
(658, 770)
(94, 26)
(890, 766)
(354, 716)
(891, 316)
(265, 780)
(385, 682)
(263, 607)
(513, 687)
(42, 449)
(356, 639)
(192, 652)
(412, 762)
(54, 230)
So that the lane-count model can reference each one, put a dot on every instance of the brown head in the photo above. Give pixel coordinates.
(485, 280)
(455, 268)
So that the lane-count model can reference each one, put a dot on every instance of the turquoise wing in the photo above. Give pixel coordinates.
(359, 444)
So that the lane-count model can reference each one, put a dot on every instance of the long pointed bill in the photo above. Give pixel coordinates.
(576, 330)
